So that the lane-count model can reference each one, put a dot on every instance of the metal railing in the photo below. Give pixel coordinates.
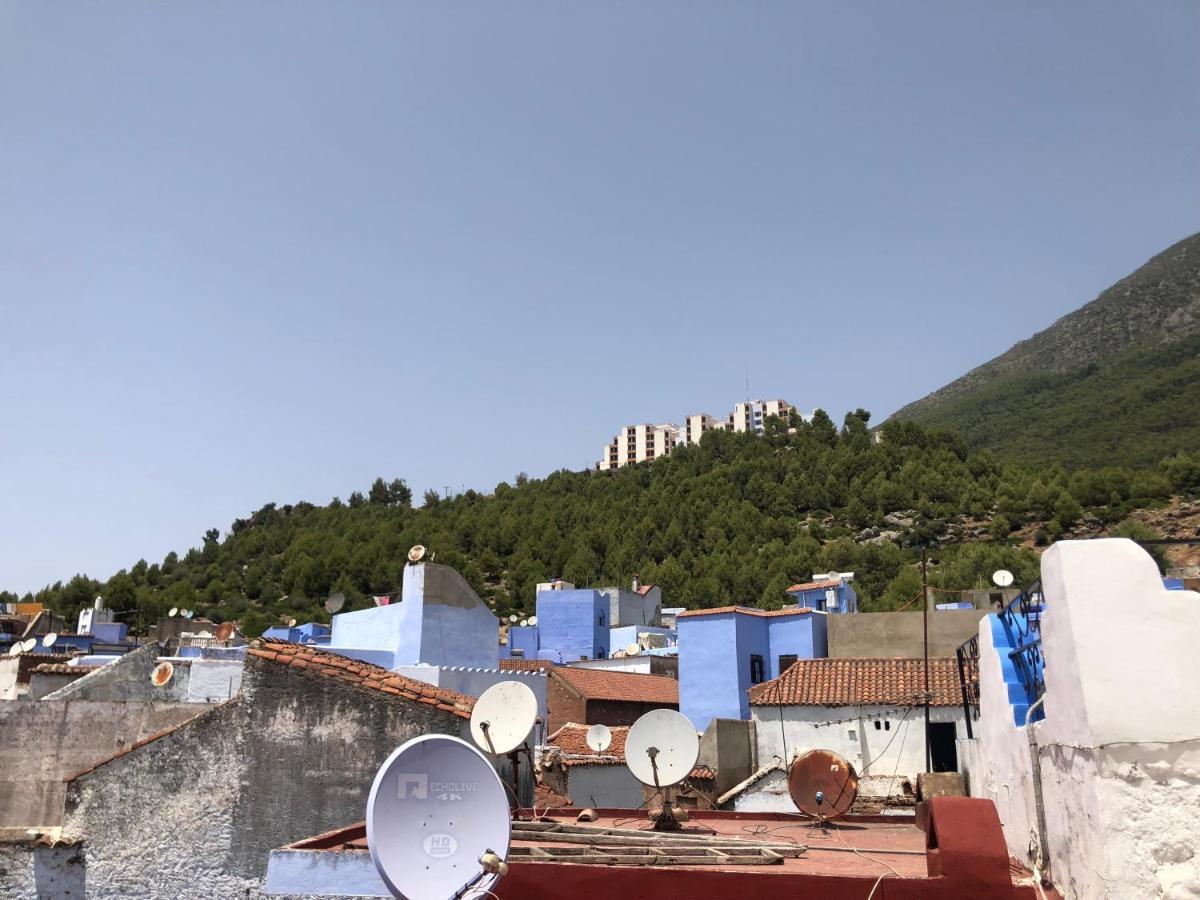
(968, 679)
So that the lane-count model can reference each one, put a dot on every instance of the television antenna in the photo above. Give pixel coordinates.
(172, 612)
(48, 639)
(438, 822)
(1002, 578)
(162, 674)
(822, 784)
(660, 750)
(599, 737)
(416, 553)
(335, 603)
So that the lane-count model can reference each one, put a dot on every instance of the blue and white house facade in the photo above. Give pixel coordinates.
(832, 592)
(439, 621)
(724, 652)
(572, 625)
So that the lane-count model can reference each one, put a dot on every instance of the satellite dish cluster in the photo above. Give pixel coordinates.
(439, 819)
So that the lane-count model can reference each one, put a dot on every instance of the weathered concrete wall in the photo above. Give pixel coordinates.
(42, 684)
(46, 741)
(728, 747)
(196, 812)
(599, 786)
(32, 871)
(8, 677)
(126, 678)
(899, 633)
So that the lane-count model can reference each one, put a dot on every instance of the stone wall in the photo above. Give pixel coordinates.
(36, 870)
(45, 741)
(889, 634)
(125, 678)
(196, 812)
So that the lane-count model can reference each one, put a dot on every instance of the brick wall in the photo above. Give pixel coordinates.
(563, 706)
(617, 712)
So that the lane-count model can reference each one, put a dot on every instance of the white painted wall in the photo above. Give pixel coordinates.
(639, 664)
(1119, 746)
(8, 677)
(897, 748)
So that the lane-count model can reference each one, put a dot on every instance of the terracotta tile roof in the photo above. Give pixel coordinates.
(525, 665)
(62, 669)
(362, 675)
(748, 611)
(702, 772)
(645, 589)
(860, 682)
(814, 585)
(571, 739)
(633, 687)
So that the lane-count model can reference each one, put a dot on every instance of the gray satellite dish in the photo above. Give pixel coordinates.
(503, 717)
(48, 639)
(173, 612)
(661, 748)
(1002, 578)
(599, 738)
(438, 821)
(334, 603)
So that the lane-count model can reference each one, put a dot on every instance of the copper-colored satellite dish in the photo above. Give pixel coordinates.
(162, 674)
(822, 784)
(416, 553)
(224, 631)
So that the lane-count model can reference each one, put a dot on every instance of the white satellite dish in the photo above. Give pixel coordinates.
(28, 644)
(533, 620)
(524, 622)
(48, 639)
(172, 612)
(334, 603)
(189, 613)
(503, 717)
(417, 553)
(15, 649)
(1002, 578)
(438, 821)
(513, 618)
(599, 737)
(291, 623)
(661, 748)
(633, 649)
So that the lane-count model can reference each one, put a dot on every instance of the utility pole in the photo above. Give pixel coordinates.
(925, 630)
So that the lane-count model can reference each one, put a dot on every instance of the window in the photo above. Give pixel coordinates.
(756, 669)
(878, 726)
(853, 735)
(785, 661)
(600, 619)
(887, 726)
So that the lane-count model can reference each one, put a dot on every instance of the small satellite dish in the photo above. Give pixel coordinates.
(48, 639)
(162, 674)
(291, 623)
(438, 820)
(172, 612)
(524, 623)
(513, 618)
(225, 631)
(189, 613)
(633, 649)
(599, 738)
(14, 649)
(822, 784)
(417, 553)
(533, 620)
(98, 603)
(334, 603)
(28, 644)
(661, 748)
(503, 716)
(1002, 578)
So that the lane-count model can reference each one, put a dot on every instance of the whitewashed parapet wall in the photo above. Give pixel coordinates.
(1120, 742)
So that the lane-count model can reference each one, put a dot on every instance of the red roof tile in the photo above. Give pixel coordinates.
(571, 739)
(814, 585)
(702, 772)
(361, 675)
(645, 589)
(634, 687)
(860, 682)
(746, 610)
(63, 669)
(525, 665)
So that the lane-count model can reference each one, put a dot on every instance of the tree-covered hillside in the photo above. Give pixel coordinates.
(736, 519)
(1115, 382)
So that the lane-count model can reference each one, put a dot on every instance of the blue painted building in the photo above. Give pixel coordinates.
(572, 625)
(439, 621)
(724, 652)
(524, 640)
(308, 633)
(829, 593)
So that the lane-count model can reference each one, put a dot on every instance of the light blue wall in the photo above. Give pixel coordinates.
(572, 625)
(847, 598)
(394, 629)
(522, 637)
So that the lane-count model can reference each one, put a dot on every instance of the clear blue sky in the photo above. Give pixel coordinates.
(255, 252)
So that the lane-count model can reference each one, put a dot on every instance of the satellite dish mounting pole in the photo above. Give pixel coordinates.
(925, 636)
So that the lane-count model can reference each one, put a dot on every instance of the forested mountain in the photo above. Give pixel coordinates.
(1116, 381)
(733, 520)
